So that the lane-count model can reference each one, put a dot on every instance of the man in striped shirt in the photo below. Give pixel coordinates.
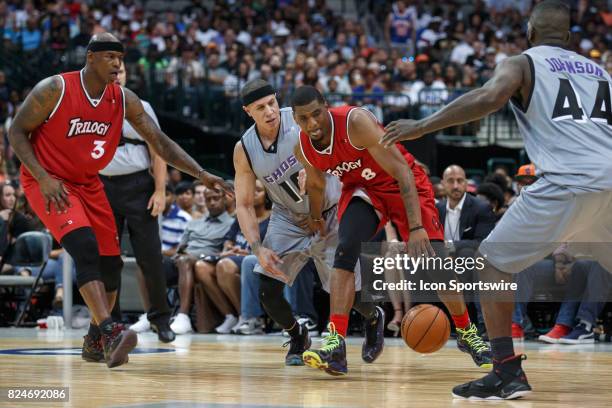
(173, 223)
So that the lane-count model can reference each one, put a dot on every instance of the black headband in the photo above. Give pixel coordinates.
(257, 94)
(96, 46)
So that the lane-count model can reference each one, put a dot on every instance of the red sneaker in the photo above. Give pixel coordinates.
(117, 344)
(553, 336)
(517, 332)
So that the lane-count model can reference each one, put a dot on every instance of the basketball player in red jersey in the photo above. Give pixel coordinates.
(67, 130)
(378, 185)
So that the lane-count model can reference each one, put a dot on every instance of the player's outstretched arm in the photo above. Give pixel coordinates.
(36, 108)
(244, 185)
(244, 182)
(511, 77)
(315, 189)
(165, 147)
(365, 132)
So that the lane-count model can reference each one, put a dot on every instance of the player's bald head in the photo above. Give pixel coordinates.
(103, 37)
(549, 21)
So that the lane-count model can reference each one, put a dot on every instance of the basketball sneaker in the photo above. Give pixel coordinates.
(92, 351)
(553, 336)
(374, 341)
(469, 341)
(297, 346)
(506, 381)
(330, 358)
(117, 344)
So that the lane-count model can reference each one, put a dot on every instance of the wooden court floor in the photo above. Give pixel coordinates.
(234, 371)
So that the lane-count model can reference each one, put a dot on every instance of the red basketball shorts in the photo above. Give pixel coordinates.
(90, 208)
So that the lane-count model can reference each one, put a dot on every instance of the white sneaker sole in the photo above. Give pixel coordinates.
(549, 340)
(514, 395)
(577, 341)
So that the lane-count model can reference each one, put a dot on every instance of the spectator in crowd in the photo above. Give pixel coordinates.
(525, 176)
(184, 196)
(221, 279)
(586, 285)
(173, 223)
(174, 178)
(467, 221)
(199, 202)
(401, 27)
(202, 240)
(492, 194)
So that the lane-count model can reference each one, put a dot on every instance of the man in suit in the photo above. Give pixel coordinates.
(467, 220)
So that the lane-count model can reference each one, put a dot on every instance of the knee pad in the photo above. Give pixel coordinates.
(347, 254)
(110, 271)
(82, 246)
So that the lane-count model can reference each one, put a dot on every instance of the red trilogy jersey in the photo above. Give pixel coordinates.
(357, 170)
(354, 167)
(81, 135)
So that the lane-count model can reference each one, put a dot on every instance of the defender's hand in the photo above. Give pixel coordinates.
(403, 129)
(217, 183)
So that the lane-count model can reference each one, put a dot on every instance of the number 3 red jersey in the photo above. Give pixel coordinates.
(81, 135)
(361, 175)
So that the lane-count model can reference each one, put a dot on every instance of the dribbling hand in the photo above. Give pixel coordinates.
(54, 192)
(419, 245)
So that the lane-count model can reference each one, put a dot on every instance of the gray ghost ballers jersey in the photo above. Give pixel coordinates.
(277, 168)
(567, 125)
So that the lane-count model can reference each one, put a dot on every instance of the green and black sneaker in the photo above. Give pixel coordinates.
(469, 341)
(330, 358)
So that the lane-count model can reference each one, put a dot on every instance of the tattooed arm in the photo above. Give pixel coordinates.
(165, 147)
(36, 108)
(364, 132)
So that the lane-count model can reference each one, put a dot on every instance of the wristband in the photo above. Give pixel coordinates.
(416, 228)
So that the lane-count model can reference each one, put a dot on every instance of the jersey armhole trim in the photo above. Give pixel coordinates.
(533, 80)
(304, 154)
(348, 136)
(123, 98)
(246, 154)
(59, 101)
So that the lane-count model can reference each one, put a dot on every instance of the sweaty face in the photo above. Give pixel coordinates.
(214, 202)
(265, 112)
(107, 64)
(314, 120)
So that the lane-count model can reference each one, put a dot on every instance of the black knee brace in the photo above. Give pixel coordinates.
(110, 269)
(82, 246)
(358, 224)
(274, 302)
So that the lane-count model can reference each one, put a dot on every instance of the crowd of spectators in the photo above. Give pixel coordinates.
(407, 54)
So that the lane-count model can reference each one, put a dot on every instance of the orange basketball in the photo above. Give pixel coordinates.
(425, 328)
